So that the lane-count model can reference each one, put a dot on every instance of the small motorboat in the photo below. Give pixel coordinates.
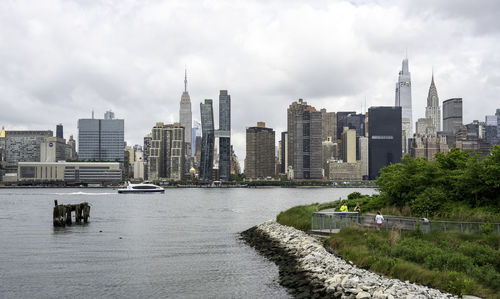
(146, 187)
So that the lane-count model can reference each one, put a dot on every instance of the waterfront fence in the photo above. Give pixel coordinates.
(331, 222)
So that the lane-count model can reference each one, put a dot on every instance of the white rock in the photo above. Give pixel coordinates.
(363, 295)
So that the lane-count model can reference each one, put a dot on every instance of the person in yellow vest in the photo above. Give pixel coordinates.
(343, 210)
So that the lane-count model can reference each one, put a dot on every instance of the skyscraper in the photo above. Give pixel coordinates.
(284, 152)
(384, 144)
(433, 111)
(185, 115)
(307, 145)
(101, 139)
(452, 116)
(195, 131)
(403, 100)
(224, 134)
(59, 131)
(341, 123)
(329, 126)
(349, 145)
(166, 159)
(207, 141)
(259, 162)
(296, 108)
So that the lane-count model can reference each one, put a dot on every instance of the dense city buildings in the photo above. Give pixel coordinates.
(259, 162)
(166, 154)
(24, 146)
(101, 139)
(433, 111)
(384, 144)
(224, 134)
(207, 141)
(452, 116)
(403, 100)
(427, 146)
(185, 115)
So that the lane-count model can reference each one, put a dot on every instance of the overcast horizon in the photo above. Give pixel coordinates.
(61, 59)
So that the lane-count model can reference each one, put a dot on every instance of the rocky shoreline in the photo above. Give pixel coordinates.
(308, 270)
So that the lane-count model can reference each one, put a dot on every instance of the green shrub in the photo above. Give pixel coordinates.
(298, 217)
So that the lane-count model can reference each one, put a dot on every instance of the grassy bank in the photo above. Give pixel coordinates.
(453, 262)
(298, 217)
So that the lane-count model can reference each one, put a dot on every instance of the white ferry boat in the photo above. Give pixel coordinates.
(145, 187)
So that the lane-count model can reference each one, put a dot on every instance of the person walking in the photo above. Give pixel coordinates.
(379, 219)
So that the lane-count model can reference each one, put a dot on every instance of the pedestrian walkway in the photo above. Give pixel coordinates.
(330, 222)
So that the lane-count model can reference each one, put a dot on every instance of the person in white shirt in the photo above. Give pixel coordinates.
(378, 220)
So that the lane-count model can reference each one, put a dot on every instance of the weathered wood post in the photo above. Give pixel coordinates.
(58, 215)
(77, 214)
(86, 212)
(68, 216)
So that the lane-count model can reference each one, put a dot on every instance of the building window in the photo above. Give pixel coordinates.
(306, 129)
(28, 172)
(306, 162)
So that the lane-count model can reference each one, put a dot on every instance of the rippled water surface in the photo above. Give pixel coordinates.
(181, 244)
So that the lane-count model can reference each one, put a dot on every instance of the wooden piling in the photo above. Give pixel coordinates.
(62, 213)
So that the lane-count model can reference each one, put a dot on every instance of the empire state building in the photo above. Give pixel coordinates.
(185, 115)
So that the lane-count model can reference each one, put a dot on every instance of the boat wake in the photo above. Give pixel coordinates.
(83, 193)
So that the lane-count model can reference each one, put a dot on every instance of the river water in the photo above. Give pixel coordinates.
(181, 244)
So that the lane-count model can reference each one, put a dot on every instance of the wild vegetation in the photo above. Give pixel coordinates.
(455, 186)
(453, 262)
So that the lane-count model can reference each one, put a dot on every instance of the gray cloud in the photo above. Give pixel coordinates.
(61, 58)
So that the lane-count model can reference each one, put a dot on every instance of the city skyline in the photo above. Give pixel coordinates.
(270, 61)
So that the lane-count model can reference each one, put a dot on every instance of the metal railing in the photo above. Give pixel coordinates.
(330, 222)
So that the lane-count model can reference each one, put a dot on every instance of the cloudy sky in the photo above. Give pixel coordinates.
(59, 59)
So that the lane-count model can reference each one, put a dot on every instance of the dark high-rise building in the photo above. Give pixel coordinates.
(101, 139)
(452, 116)
(341, 122)
(207, 141)
(146, 147)
(59, 131)
(224, 134)
(356, 122)
(284, 152)
(259, 162)
(307, 145)
(295, 109)
(384, 145)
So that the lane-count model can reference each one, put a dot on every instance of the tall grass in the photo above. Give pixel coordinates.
(453, 262)
(298, 217)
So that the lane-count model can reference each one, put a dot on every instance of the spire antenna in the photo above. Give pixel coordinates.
(185, 79)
